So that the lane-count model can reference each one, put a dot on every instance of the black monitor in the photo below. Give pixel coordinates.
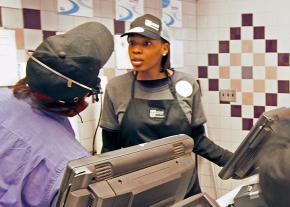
(245, 159)
(156, 173)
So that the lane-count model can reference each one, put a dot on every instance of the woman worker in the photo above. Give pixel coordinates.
(154, 101)
(36, 138)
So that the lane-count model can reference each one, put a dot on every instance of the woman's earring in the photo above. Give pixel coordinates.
(164, 54)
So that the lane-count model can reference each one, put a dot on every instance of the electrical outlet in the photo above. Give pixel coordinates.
(228, 95)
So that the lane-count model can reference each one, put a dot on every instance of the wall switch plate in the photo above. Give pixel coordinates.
(228, 95)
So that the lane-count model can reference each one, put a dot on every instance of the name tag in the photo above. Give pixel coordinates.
(157, 113)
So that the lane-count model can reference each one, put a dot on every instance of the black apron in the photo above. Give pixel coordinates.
(148, 120)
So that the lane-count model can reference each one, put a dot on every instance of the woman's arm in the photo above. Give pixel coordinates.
(206, 148)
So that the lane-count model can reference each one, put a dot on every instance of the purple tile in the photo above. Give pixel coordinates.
(271, 99)
(283, 59)
(247, 72)
(283, 86)
(47, 34)
(224, 46)
(235, 33)
(236, 111)
(247, 124)
(213, 84)
(202, 72)
(259, 32)
(247, 19)
(271, 45)
(119, 26)
(213, 59)
(258, 110)
(31, 18)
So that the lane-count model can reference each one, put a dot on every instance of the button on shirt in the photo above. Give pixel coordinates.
(35, 148)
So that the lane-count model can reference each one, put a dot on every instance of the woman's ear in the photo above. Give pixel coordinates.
(165, 49)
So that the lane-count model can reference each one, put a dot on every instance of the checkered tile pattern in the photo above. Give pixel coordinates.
(254, 67)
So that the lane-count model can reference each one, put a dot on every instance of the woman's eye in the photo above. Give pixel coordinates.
(147, 43)
(131, 43)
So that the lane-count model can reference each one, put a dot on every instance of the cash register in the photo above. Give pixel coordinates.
(245, 161)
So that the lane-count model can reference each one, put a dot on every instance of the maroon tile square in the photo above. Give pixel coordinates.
(202, 72)
(283, 59)
(213, 84)
(247, 72)
(236, 111)
(259, 32)
(31, 18)
(224, 46)
(119, 26)
(258, 110)
(271, 99)
(271, 45)
(247, 19)
(247, 124)
(235, 33)
(47, 34)
(213, 59)
(283, 86)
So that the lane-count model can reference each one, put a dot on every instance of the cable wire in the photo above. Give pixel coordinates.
(94, 151)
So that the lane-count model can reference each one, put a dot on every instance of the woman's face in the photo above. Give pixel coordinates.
(146, 53)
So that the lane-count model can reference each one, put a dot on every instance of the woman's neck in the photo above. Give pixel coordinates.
(152, 76)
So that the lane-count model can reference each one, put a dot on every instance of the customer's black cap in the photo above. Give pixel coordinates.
(78, 54)
(274, 172)
(149, 26)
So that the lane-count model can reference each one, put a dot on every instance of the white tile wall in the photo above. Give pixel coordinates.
(247, 33)
(271, 86)
(259, 46)
(283, 73)
(212, 47)
(224, 59)
(235, 72)
(247, 85)
(259, 99)
(65, 22)
(259, 73)
(225, 84)
(13, 18)
(213, 72)
(248, 111)
(247, 59)
(271, 59)
(235, 46)
(284, 100)
(32, 38)
(49, 20)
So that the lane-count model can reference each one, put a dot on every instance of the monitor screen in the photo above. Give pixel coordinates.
(156, 173)
(245, 159)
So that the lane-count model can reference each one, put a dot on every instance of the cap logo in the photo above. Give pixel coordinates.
(152, 25)
(137, 30)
